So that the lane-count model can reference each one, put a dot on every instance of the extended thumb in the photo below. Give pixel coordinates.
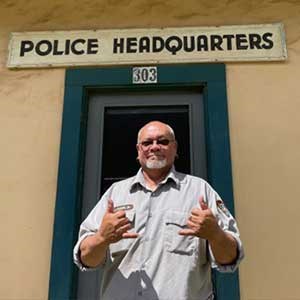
(110, 206)
(203, 205)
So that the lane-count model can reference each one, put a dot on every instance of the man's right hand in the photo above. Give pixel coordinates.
(115, 225)
(113, 228)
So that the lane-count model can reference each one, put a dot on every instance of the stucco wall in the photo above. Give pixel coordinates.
(263, 99)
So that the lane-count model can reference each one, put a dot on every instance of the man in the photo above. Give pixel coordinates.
(157, 234)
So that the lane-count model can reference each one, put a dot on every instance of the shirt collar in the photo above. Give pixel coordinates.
(140, 179)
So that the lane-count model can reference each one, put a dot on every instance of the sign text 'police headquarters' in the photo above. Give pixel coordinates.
(140, 46)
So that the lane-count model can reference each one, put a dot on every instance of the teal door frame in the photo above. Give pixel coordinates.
(211, 77)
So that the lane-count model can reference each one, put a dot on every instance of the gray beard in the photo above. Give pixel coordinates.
(156, 164)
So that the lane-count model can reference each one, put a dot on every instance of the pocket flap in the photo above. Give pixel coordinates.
(177, 218)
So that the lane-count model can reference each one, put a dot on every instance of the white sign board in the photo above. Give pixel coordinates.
(147, 46)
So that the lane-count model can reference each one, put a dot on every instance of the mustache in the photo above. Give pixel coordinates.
(156, 153)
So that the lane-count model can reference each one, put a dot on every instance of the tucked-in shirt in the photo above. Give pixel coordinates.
(159, 263)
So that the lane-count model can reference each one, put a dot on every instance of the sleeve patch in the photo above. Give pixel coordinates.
(222, 207)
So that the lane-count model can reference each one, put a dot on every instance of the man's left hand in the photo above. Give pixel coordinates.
(201, 223)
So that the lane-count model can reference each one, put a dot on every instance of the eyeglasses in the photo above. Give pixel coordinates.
(161, 142)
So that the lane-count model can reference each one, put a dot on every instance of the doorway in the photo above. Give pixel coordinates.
(113, 121)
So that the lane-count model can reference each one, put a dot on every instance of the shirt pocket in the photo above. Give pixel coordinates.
(122, 246)
(175, 243)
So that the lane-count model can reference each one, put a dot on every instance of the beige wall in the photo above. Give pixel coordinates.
(264, 100)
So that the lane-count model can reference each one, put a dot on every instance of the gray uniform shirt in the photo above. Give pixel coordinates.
(160, 263)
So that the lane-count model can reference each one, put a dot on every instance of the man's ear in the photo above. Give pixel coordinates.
(137, 149)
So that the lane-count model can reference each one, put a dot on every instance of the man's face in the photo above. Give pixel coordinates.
(156, 147)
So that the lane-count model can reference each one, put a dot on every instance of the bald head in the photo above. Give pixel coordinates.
(156, 124)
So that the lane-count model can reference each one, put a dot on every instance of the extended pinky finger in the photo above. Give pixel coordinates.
(186, 232)
(129, 235)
